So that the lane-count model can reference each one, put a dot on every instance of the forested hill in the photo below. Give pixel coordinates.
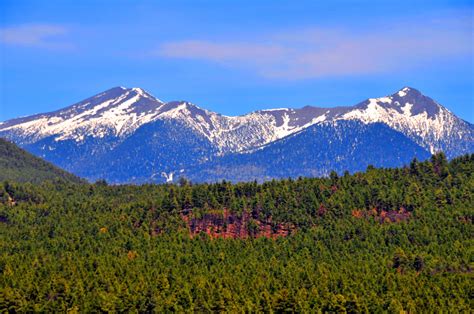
(18, 165)
(379, 241)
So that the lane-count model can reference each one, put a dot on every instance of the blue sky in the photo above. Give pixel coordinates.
(234, 57)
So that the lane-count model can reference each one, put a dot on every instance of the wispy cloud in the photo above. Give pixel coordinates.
(223, 52)
(322, 52)
(49, 36)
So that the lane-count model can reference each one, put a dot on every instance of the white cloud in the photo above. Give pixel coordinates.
(36, 35)
(316, 52)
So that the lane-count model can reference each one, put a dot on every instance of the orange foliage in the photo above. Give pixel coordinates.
(383, 216)
(357, 213)
(131, 255)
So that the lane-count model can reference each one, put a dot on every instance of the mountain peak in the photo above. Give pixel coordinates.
(419, 102)
(109, 93)
(121, 90)
(139, 91)
(409, 98)
(408, 91)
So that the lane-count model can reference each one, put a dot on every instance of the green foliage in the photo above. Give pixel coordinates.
(20, 166)
(94, 247)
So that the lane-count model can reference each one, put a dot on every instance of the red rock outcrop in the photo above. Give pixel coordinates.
(224, 224)
(383, 216)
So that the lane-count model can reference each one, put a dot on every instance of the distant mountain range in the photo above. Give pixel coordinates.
(126, 135)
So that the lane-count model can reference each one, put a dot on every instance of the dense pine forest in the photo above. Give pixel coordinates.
(385, 240)
(20, 166)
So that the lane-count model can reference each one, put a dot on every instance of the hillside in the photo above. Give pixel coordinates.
(344, 145)
(18, 165)
(380, 241)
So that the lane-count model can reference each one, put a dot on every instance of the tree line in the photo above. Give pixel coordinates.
(81, 247)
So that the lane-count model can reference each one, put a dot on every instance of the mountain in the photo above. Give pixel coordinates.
(420, 118)
(152, 153)
(128, 135)
(20, 166)
(337, 145)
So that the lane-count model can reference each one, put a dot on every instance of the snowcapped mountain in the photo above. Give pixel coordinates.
(117, 112)
(420, 118)
(128, 135)
(120, 111)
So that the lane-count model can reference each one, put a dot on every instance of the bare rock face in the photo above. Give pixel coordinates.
(227, 225)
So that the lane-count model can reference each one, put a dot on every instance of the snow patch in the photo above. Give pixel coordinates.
(387, 100)
(403, 92)
(407, 109)
(168, 176)
(276, 109)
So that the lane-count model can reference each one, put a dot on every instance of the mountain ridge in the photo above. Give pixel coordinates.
(313, 150)
(97, 126)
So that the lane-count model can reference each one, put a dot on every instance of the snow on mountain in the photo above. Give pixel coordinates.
(119, 112)
(419, 117)
(238, 133)
(340, 145)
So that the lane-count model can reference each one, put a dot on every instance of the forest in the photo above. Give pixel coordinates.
(382, 240)
(18, 165)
